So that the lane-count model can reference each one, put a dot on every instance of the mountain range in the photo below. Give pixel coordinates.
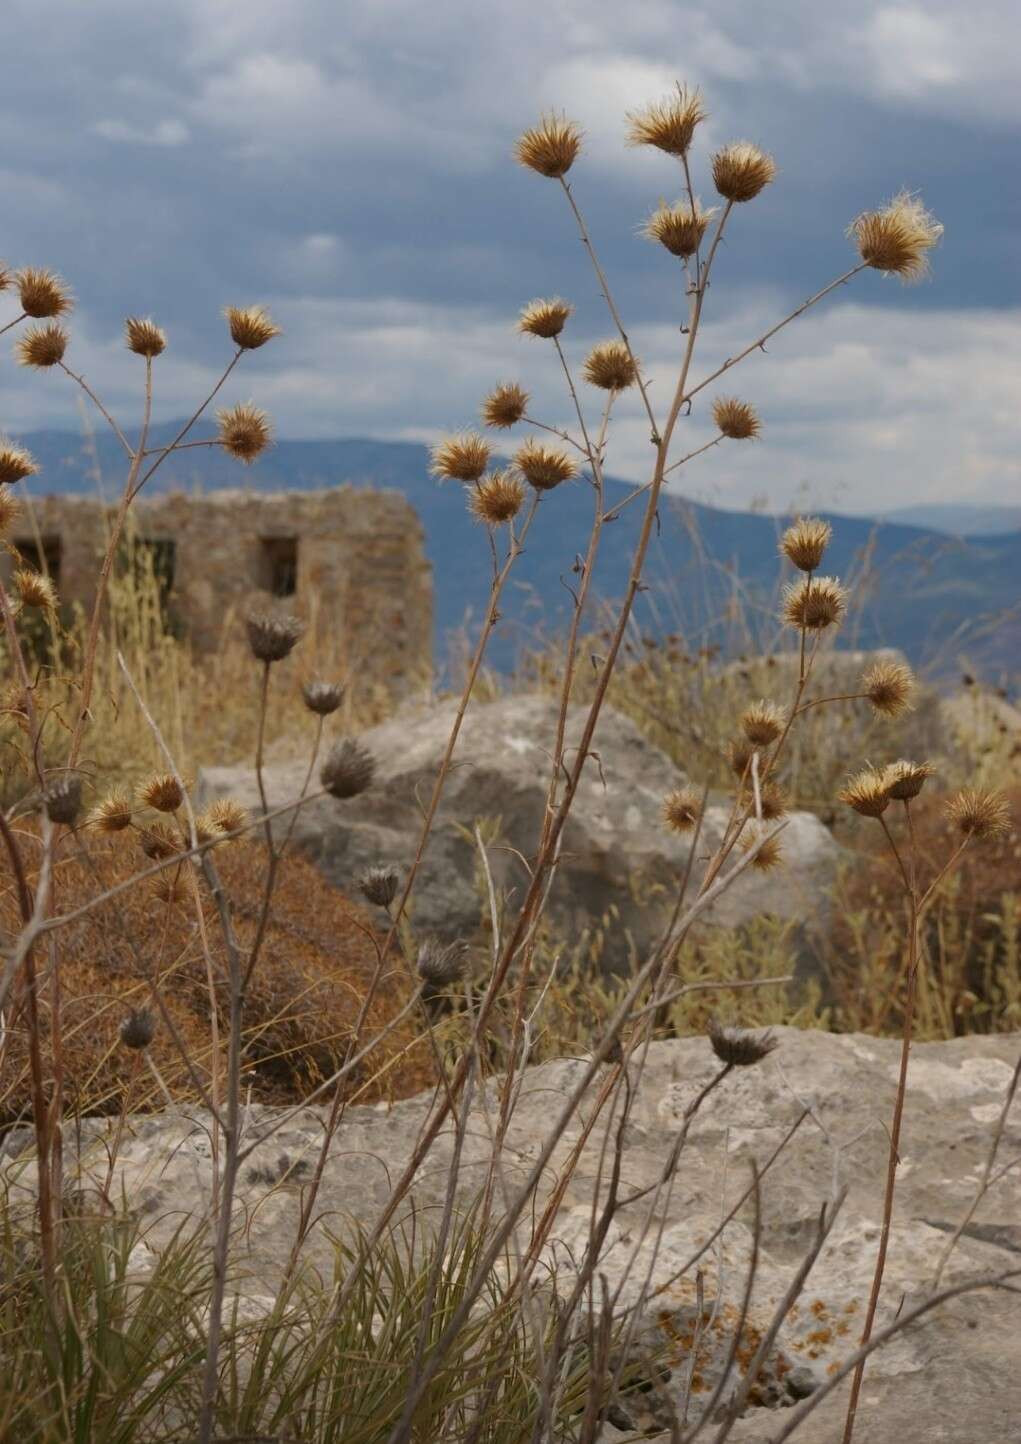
(948, 601)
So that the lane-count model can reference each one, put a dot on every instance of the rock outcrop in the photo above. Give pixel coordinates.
(617, 857)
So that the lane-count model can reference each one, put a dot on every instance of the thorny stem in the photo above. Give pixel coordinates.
(641, 490)
(166, 450)
(16, 322)
(102, 409)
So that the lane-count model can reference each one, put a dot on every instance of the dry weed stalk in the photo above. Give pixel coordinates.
(181, 843)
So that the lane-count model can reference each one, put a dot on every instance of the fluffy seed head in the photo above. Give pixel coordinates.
(62, 799)
(42, 346)
(505, 405)
(739, 1049)
(774, 801)
(681, 809)
(679, 228)
(441, 965)
(889, 687)
(42, 294)
(378, 885)
(144, 337)
(158, 842)
(544, 467)
(224, 816)
(804, 543)
(113, 814)
(762, 723)
(244, 431)
(138, 1029)
(545, 318)
(610, 366)
(898, 238)
(162, 792)
(770, 853)
(496, 498)
(15, 462)
(867, 792)
(10, 508)
(736, 419)
(461, 458)
(669, 126)
(905, 780)
(815, 603)
(250, 327)
(35, 589)
(348, 770)
(322, 698)
(742, 170)
(551, 147)
(981, 815)
(273, 638)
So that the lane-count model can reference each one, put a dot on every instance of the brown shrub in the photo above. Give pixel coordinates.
(312, 975)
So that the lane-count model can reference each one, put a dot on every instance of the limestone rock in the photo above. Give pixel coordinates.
(954, 1375)
(616, 853)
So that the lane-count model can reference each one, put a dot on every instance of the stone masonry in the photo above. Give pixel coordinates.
(346, 557)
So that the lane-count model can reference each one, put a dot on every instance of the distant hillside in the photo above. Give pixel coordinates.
(938, 598)
(959, 520)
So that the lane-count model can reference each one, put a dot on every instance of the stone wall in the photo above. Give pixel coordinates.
(342, 558)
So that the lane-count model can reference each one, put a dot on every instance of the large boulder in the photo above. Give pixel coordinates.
(955, 1375)
(617, 858)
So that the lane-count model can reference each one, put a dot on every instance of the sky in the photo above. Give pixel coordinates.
(350, 165)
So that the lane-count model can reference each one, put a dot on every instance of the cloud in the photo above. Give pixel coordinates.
(163, 133)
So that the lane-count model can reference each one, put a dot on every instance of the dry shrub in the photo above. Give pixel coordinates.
(313, 974)
(970, 980)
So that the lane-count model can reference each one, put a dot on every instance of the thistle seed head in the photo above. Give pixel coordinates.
(679, 228)
(770, 853)
(323, 698)
(544, 467)
(245, 431)
(980, 815)
(10, 509)
(551, 147)
(681, 809)
(867, 792)
(224, 816)
(669, 126)
(774, 801)
(905, 780)
(898, 238)
(158, 842)
(42, 346)
(505, 406)
(742, 170)
(273, 638)
(440, 965)
(138, 1029)
(762, 723)
(461, 458)
(815, 603)
(740, 1049)
(545, 318)
(889, 687)
(144, 337)
(170, 891)
(250, 327)
(113, 814)
(610, 366)
(739, 755)
(348, 770)
(35, 589)
(162, 792)
(378, 885)
(62, 799)
(43, 295)
(15, 463)
(804, 543)
(496, 498)
(736, 419)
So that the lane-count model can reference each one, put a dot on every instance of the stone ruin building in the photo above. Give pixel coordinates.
(348, 558)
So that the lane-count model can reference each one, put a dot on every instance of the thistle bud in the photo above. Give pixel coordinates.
(250, 327)
(669, 126)
(62, 799)
(505, 406)
(461, 458)
(679, 228)
(739, 1049)
(42, 294)
(681, 810)
(867, 793)
(439, 965)
(113, 814)
(15, 463)
(742, 170)
(551, 147)
(889, 686)
(544, 467)
(348, 770)
(497, 498)
(322, 698)
(273, 638)
(979, 815)
(162, 792)
(245, 432)
(378, 885)
(762, 723)
(545, 319)
(138, 1029)
(898, 238)
(42, 346)
(736, 419)
(804, 543)
(610, 366)
(144, 337)
(35, 589)
(815, 603)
